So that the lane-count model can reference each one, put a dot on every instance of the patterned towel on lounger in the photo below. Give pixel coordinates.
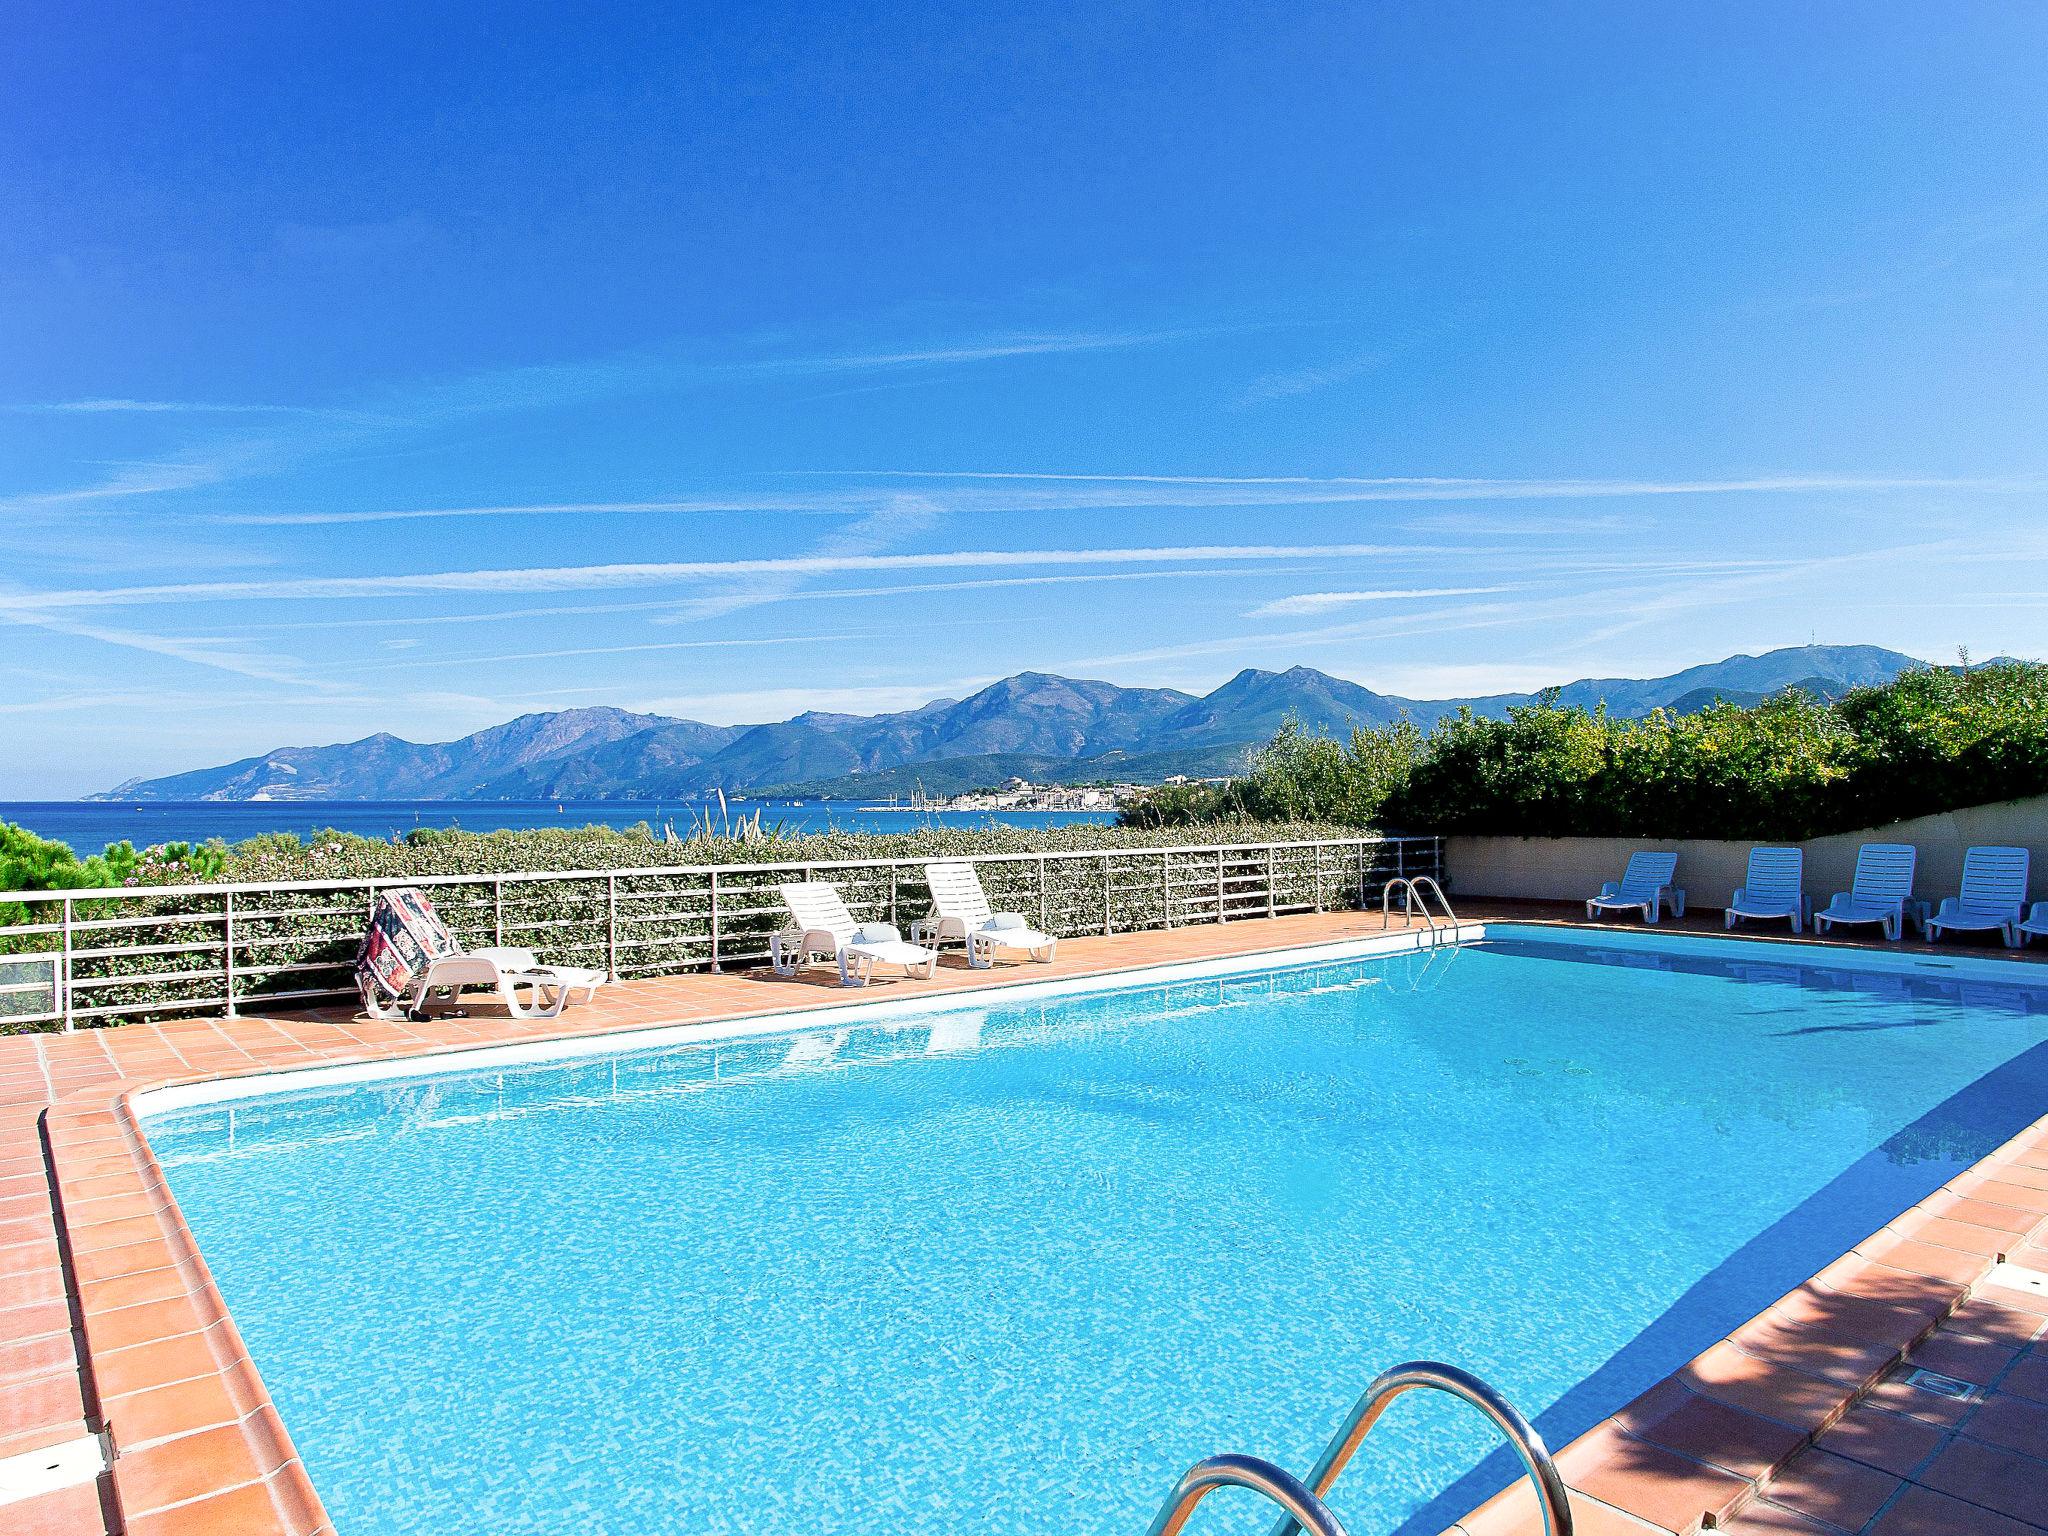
(405, 936)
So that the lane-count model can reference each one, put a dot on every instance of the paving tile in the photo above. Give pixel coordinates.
(37, 1356)
(1707, 1430)
(1832, 1488)
(1983, 1318)
(2016, 1486)
(1816, 1351)
(66, 1512)
(1650, 1482)
(1891, 1442)
(2029, 1378)
(1763, 1518)
(237, 1512)
(2013, 1423)
(1897, 1393)
(1923, 1512)
(1772, 1391)
(193, 1466)
(160, 1412)
(1967, 1359)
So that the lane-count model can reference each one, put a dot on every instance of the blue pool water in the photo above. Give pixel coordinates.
(1012, 1268)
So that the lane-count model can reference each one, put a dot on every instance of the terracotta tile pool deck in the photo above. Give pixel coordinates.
(1808, 1419)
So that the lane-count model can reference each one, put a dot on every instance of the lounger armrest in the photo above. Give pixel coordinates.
(1609, 891)
(1740, 898)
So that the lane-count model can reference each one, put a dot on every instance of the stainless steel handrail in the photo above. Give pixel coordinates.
(1415, 891)
(1390, 1384)
(1305, 1511)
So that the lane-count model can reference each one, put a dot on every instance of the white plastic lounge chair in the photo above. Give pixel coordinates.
(2036, 925)
(505, 971)
(960, 911)
(409, 954)
(1772, 887)
(1645, 886)
(821, 925)
(1994, 896)
(1879, 893)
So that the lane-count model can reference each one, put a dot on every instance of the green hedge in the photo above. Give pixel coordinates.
(287, 942)
(1790, 768)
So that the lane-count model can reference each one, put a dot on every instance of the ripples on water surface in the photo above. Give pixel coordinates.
(1013, 1268)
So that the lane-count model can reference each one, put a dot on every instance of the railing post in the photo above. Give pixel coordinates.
(64, 967)
(1220, 918)
(1272, 896)
(498, 909)
(1042, 918)
(892, 898)
(1319, 876)
(611, 925)
(1165, 888)
(227, 926)
(1107, 855)
(716, 968)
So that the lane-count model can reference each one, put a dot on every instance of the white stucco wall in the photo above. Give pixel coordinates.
(1572, 868)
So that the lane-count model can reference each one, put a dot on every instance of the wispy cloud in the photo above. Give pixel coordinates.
(203, 651)
(182, 408)
(998, 492)
(725, 643)
(663, 573)
(1467, 488)
(1270, 387)
(1324, 602)
(431, 404)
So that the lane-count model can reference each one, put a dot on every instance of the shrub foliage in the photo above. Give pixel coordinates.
(1789, 768)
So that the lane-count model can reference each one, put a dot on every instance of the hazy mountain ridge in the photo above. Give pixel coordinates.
(1033, 725)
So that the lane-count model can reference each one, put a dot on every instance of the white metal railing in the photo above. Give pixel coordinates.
(102, 955)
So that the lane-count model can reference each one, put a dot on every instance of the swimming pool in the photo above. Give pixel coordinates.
(1019, 1260)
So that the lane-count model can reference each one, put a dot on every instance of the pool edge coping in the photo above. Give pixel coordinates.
(97, 1133)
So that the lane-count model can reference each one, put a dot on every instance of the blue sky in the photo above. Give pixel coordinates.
(409, 367)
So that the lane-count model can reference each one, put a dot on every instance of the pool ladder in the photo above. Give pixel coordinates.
(1302, 1503)
(1416, 891)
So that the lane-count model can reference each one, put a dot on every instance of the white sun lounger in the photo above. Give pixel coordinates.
(1645, 887)
(821, 925)
(960, 911)
(1879, 893)
(1994, 895)
(2036, 925)
(1772, 887)
(505, 971)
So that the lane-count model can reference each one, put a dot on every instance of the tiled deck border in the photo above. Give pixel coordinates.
(199, 1448)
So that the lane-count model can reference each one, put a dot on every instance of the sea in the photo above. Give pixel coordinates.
(89, 825)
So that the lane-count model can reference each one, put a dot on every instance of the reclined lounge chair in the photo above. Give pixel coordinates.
(960, 911)
(1878, 894)
(821, 925)
(408, 954)
(1645, 887)
(1994, 896)
(1772, 887)
(2036, 925)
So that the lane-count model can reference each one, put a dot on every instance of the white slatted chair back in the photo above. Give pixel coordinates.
(957, 892)
(815, 904)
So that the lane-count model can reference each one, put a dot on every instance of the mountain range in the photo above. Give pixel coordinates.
(1033, 725)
